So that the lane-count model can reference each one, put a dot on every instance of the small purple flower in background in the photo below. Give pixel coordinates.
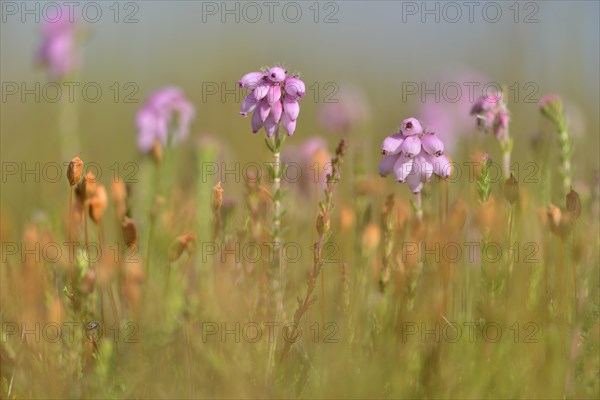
(310, 162)
(58, 51)
(413, 155)
(273, 100)
(165, 117)
(345, 111)
(492, 115)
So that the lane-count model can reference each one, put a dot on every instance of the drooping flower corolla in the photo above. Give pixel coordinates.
(273, 99)
(413, 155)
(166, 116)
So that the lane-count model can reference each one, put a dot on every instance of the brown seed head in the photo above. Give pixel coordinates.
(185, 242)
(86, 188)
(323, 225)
(511, 189)
(217, 197)
(573, 204)
(98, 203)
(130, 234)
(118, 194)
(74, 171)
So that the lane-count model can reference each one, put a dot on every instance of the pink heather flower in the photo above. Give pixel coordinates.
(273, 100)
(492, 115)
(166, 112)
(413, 155)
(58, 51)
(345, 111)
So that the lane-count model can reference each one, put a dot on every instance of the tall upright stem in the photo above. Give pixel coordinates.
(69, 235)
(276, 273)
(419, 206)
(565, 156)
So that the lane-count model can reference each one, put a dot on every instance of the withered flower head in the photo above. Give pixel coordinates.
(98, 203)
(511, 189)
(118, 194)
(573, 204)
(185, 242)
(217, 197)
(86, 188)
(130, 234)
(74, 171)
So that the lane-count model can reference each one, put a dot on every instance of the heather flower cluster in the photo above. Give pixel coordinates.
(414, 155)
(164, 118)
(492, 115)
(58, 50)
(273, 99)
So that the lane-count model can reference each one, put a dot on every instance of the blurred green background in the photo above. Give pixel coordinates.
(375, 45)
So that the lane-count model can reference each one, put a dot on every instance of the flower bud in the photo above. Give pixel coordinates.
(75, 171)
(276, 74)
(391, 144)
(432, 145)
(291, 108)
(411, 146)
(551, 107)
(511, 189)
(288, 124)
(323, 224)
(250, 80)
(411, 126)
(294, 87)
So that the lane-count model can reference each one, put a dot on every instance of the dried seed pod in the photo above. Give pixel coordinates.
(74, 171)
(118, 194)
(98, 204)
(217, 197)
(130, 234)
(323, 224)
(86, 188)
(573, 204)
(511, 189)
(185, 242)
